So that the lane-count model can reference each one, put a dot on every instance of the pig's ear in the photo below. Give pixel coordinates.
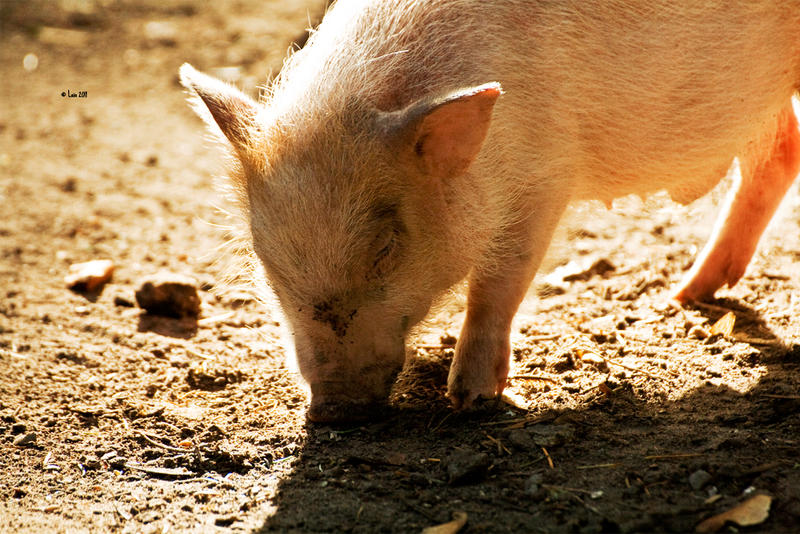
(222, 105)
(445, 134)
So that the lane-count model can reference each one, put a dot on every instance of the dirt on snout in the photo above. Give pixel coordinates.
(625, 413)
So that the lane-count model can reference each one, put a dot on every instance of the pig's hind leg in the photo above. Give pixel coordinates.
(766, 175)
(481, 362)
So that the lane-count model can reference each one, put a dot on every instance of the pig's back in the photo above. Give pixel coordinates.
(666, 94)
(611, 97)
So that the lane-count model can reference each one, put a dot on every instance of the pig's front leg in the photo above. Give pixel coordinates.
(481, 363)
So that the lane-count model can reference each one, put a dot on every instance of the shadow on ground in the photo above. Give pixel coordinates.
(616, 464)
(183, 328)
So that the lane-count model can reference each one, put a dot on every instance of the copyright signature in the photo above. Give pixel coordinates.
(70, 94)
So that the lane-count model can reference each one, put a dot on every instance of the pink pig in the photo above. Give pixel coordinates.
(413, 143)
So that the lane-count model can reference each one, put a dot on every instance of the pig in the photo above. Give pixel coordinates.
(412, 144)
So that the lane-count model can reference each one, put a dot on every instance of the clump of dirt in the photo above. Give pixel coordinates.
(212, 378)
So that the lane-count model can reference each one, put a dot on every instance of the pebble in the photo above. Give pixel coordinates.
(533, 484)
(465, 467)
(600, 267)
(596, 360)
(592, 358)
(90, 462)
(25, 439)
(89, 276)
(699, 479)
(148, 516)
(161, 32)
(549, 289)
(226, 521)
(698, 332)
(521, 439)
(552, 435)
(123, 301)
(169, 294)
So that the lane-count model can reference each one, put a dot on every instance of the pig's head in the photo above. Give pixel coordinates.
(360, 218)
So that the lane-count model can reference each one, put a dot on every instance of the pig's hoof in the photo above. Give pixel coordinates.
(463, 397)
(466, 384)
(719, 268)
(343, 412)
(693, 292)
(472, 402)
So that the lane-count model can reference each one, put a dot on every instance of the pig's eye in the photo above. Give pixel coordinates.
(385, 245)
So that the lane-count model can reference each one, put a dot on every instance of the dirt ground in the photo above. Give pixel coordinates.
(625, 413)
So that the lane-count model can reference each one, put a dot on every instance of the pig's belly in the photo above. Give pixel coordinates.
(685, 152)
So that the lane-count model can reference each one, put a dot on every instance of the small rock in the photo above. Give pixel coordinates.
(595, 360)
(70, 185)
(600, 325)
(161, 32)
(156, 503)
(123, 301)
(565, 363)
(149, 516)
(117, 462)
(533, 484)
(226, 521)
(212, 378)
(698, 332)
(591, 357)
(600, 267)
(89, 276)
(521, 439)
(169, 294)
(465, 467)
(550, 289)
(91, 462)
(699, 479)
(18, 428)
(25, 439)
(448, 339)
(693, 320)
(552, 435)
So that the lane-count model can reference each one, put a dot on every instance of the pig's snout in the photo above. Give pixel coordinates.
(346, 402)
(360, 398)
(344, 410)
